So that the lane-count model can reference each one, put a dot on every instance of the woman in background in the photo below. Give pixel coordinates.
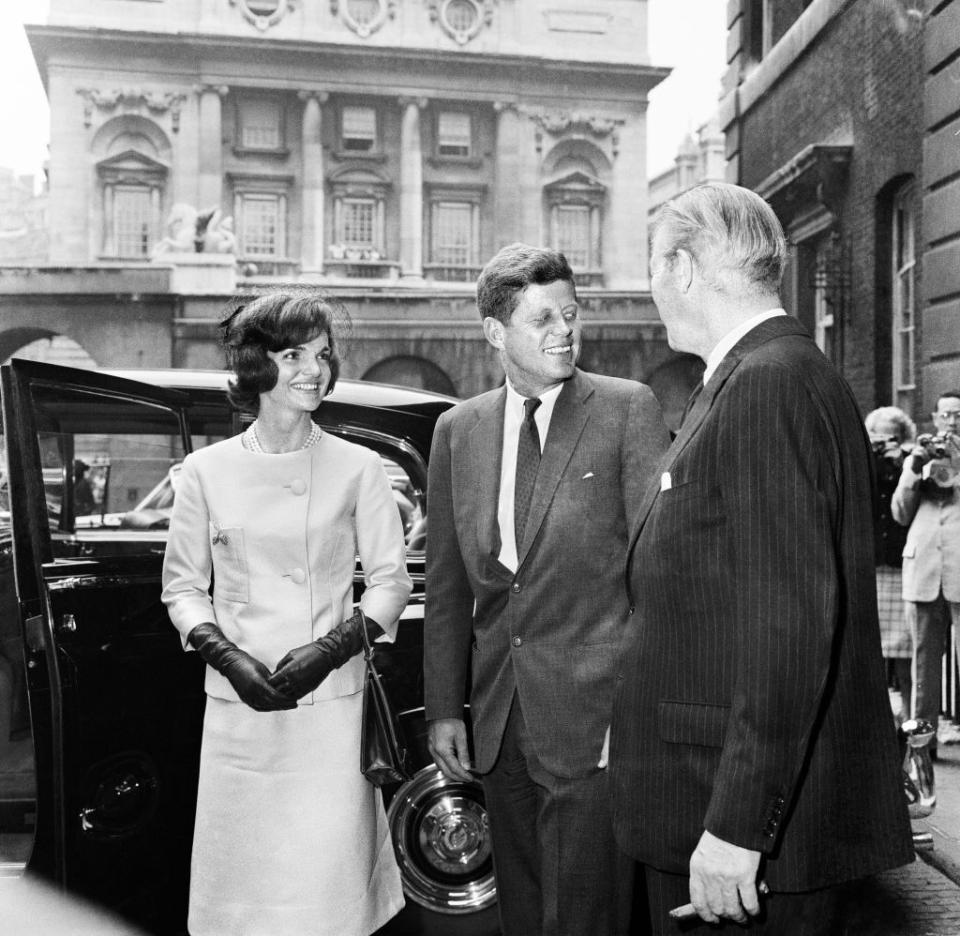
(891, 431)
(290, 838)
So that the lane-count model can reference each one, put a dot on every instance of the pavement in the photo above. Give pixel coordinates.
(942, 858)
(922, 898)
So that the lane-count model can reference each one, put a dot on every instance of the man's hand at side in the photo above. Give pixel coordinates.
(447, 741)
(723, 880)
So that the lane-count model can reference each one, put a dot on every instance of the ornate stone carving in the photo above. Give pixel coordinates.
(360, 18)
(321, 96)
(456, 18)
(558, 122)
(132, 100)
(264, 13)
(192, 231)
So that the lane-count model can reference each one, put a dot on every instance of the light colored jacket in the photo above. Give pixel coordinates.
(278, 536)
(931, 555)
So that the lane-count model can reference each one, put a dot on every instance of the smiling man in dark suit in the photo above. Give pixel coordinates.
(530, 487)
(752, 736)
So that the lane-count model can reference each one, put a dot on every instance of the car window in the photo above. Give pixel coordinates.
(410, 503)
(154, 510)
(105, 462)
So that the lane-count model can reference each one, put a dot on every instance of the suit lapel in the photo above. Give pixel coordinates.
(486, 456)
(566, 425)
(777, 327)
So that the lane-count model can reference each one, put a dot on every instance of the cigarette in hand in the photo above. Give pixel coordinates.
(686, 911)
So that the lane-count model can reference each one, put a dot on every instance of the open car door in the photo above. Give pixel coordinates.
(100, 708)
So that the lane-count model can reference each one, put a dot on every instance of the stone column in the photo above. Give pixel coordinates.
(313, 182)
(411, 189)
(210, 170)
(507, 194)
(625, 240)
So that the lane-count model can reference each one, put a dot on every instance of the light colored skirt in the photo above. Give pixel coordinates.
(290, 839)
(896, 637)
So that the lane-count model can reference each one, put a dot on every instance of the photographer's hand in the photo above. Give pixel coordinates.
(919, 456)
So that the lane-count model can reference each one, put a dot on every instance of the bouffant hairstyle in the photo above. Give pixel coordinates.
(272, 322)
(906, 428)
(511, 271)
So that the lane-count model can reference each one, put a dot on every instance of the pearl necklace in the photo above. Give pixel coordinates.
(252, 441)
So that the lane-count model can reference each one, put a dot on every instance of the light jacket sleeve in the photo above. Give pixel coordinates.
(381, 547)
(906, 497)
(187, 562)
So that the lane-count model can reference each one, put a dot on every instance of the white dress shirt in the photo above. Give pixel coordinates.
(726, 343)
(512, 421)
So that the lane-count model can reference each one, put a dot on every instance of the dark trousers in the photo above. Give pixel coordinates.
(812, 913)
(559, 871)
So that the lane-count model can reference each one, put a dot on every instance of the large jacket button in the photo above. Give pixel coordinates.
(297, 576)
(517, 641)
(298, 487)
(515, 587)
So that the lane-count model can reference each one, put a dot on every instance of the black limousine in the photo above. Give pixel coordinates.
(100, 709)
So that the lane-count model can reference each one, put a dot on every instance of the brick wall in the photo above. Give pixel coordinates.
(860, 82)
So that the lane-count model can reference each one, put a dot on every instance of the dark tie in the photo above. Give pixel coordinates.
(692, 399)
(528, 463)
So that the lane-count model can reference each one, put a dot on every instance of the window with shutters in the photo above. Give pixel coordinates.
(454, 134)
(260, 125)
(358, 129)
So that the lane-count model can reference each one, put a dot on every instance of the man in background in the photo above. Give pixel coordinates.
(926, 501)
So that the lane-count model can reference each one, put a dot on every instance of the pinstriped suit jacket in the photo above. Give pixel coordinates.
(752, 698)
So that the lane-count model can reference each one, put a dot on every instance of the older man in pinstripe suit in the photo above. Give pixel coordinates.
(752, 738)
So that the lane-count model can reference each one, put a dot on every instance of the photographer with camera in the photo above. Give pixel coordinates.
(891, 433)
(926, 501)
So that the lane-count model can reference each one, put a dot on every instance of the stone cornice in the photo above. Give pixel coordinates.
(486, 75)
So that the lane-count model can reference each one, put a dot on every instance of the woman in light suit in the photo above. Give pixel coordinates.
(290, 838)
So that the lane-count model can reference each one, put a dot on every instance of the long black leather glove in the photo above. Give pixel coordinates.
(248, 676)
(304, 668)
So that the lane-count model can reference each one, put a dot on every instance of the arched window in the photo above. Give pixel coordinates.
(132, 165)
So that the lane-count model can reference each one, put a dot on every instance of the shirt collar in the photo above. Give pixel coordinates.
(547, 399)
(726, 343)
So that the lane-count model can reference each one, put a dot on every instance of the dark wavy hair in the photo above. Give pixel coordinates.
(511, 271)
(272, 322)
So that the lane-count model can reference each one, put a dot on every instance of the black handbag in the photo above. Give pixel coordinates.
(383, 751)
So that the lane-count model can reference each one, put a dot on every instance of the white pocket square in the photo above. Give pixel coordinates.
(589, 474)
(665, 481)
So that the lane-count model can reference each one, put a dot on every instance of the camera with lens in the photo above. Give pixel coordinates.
(882, 444)
(944, 466)
(937, 446)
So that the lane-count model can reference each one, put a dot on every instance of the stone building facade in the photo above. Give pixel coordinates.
(381, 149)
(839, 112)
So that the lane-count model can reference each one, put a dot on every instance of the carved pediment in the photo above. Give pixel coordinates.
(131, 165)
(577, 180)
